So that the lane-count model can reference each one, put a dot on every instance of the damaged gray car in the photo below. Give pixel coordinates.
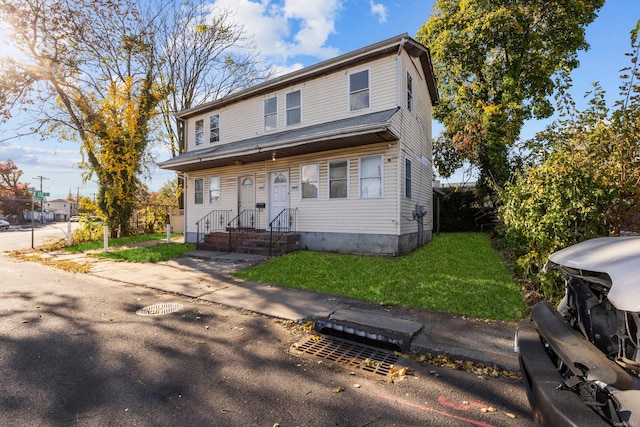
(580, 361)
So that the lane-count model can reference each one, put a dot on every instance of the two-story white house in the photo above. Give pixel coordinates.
(339, 152)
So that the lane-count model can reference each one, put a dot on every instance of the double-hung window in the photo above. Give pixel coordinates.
(199, 132)
(309, 180)
(359, 90)
(198, 191)
(409, 92)
(371, 176)
(294, 115)
(271, 113)
(338, 179)
(407, 178)
(214, 190)
(214, 128)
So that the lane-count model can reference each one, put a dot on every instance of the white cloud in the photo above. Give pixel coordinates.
(380, 10)
(286, 28)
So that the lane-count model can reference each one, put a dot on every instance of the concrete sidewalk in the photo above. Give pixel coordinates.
(206, 275)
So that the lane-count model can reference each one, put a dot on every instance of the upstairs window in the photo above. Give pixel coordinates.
(359, 90)
(214, 128)
(371, 177)
(338, 179)
(271, 113)
(309, 178)
(214, 190)
(199, 132)
(409, 92)
(198, 191)
(294, 115)
(407, 178)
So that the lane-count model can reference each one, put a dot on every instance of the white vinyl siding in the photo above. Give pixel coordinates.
(323, 100)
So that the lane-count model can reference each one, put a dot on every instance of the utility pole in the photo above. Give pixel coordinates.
(41, 178)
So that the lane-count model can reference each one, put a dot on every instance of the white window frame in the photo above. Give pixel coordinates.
(317, 181)
(356, 92)
(216, 129)
(380, 177)
(409, 92)
(214, 189)
(198, 200)
(199, 132)
(293, 108)
(407, 177)
(329, 180)
(270, 114)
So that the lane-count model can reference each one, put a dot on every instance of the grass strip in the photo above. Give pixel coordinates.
(160, 252)
(121, 241)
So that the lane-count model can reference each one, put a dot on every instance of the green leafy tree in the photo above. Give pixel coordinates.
(87, 71)
(495, 61)
(583, 179)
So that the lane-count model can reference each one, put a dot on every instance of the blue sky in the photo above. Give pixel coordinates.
(291, 34)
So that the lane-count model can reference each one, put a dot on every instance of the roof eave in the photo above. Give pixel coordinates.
(345, 138)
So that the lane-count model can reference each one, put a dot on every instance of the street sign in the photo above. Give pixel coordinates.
(40, 195)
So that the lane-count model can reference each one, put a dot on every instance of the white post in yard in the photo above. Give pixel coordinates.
(69, 233)
(168, 233)
(106, 238)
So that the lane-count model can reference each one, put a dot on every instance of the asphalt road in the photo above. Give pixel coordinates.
(73, 351)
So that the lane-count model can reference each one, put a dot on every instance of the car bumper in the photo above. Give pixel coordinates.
(551, 405)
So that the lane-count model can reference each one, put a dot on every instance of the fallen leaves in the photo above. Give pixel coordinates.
(397, 374)
(61, 264)
(481, 370)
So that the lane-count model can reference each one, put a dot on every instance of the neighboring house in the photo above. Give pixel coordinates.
(341, 150)
(61, 209)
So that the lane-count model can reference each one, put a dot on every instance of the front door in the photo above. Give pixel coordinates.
(278, 193)
(246, 194)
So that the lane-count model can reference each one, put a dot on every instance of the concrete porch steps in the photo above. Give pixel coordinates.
(250, 242)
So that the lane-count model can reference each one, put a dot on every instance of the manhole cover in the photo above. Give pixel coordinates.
(346, 354)
(159, 309)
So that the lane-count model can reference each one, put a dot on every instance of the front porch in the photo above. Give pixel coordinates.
(241, 234)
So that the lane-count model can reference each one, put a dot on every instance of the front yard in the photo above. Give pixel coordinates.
(458, 273)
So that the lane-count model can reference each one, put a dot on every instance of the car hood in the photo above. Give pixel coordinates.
(612, 261)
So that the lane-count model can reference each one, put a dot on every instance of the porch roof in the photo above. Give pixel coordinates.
(351, 132)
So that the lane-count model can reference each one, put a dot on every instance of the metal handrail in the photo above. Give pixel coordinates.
(248, 219)
(215, 220)
(283, 223)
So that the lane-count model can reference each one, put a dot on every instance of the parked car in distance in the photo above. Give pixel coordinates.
(4, 225)
(580, 361)
(74, 218)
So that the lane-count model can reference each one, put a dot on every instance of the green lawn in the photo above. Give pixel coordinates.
(458, 273)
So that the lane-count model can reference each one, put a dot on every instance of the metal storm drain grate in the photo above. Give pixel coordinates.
(159, 309)
(346, 354)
